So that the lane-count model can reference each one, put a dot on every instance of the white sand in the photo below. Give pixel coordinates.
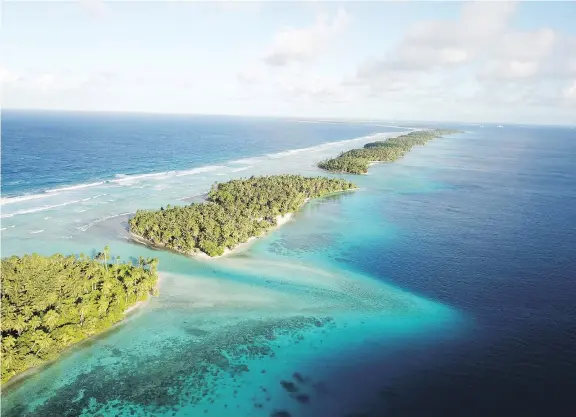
(281, 220)
(143, 302)
(136, 306)
(206, 292)
(279, 288)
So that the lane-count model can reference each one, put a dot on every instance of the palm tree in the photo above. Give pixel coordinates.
(129, 285)
(41, 341)
(106, 287)
(102, 306)
(51, 299)
(19, 324)
(8, 342)
(34, 322)
(106, 254)
(99, 256)
(50, 319)
(83, 308)
(8, 360)
(28, 311)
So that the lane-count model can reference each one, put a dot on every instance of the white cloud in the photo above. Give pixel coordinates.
(481, 21)
(7, 76)
(570, 91)
(310, 86)
(52, 82)
(509, 70)
(433, 45)
(479, 58)
(298, 45)
(96, 9)
(235, 6)
(476, 61)
(252, 74)
(46, 82)
(284, 68)
(524, 45)
(520, 55)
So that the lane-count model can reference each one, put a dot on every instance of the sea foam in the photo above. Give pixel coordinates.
(19, 199)
(87, 226)
(75, 187)
(77, 193)
(37, 209)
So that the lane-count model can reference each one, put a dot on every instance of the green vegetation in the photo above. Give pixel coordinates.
(49, 303)
(235, 211)
(357, 161)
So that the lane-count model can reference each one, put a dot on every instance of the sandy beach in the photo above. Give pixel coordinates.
(280, 221)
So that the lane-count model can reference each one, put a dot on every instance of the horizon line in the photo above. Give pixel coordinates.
(290, 117)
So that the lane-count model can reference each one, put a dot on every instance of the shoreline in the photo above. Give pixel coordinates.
(281, 220)
(370, 163)
(359, 160)
(143, 303)
(51, 192)
(21, 377)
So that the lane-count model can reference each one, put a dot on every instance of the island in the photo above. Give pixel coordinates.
(357, 161)
(233, 212)
(52, 302)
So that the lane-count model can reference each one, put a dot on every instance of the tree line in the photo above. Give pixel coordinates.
(51, 302)
(357, 161)
(234, 211)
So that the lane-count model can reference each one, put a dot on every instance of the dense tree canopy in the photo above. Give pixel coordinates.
(49, 303)
(357, 161)
(235, 211)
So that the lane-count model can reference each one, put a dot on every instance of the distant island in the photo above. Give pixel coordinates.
(50, 303)
(234, 212)
(357, 161)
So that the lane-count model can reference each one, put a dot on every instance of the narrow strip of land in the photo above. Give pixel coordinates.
(234, 212)
(357, 161)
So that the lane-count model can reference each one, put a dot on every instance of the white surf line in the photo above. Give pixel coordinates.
(126, 179)
(38, 209)
(87, 226)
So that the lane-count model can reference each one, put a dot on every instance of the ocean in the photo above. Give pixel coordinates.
(443, 287)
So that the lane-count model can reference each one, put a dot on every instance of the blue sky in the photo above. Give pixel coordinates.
(484, 61)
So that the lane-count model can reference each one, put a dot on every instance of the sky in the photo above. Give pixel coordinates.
(398, 60)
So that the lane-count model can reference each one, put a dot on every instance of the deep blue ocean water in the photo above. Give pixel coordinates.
(48, 150)
(447, 283)
(499, 243)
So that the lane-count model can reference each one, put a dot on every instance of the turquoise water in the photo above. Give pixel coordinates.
(260, 332)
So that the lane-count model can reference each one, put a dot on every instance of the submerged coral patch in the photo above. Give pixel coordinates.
(181, 374)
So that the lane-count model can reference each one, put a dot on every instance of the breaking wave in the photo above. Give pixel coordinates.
(132, 179)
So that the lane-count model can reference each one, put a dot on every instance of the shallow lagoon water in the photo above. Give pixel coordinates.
(223, 344)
